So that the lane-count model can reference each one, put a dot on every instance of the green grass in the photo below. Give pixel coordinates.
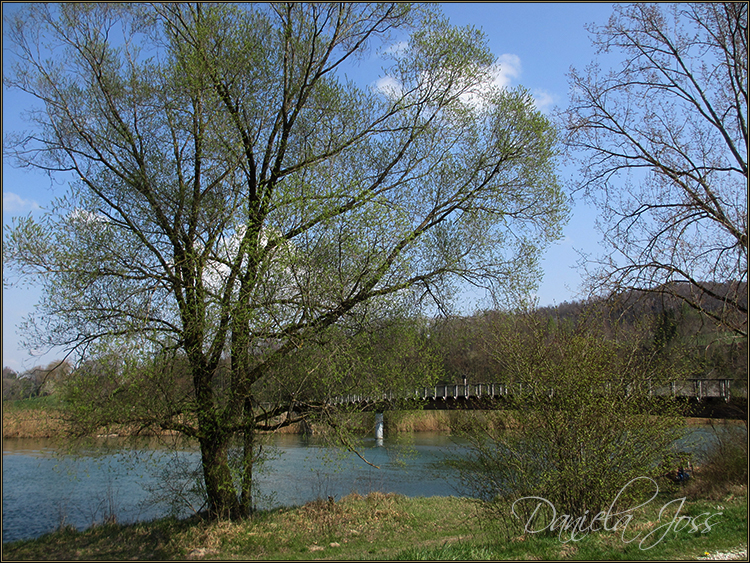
(387, 526)
(729, 532)
(33, 404)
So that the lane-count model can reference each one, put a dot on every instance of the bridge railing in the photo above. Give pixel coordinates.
(698, 388)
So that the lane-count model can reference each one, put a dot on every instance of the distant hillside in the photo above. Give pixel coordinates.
(631, 305)
(667, 323)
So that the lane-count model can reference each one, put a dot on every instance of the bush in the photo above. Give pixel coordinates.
(726, 467)
(580, 421)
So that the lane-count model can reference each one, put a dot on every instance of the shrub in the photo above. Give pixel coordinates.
(580, 421)
(726, 467)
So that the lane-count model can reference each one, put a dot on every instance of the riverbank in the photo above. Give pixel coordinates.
(49, 422)
(393, 527)
(29, 419)
(33, 423)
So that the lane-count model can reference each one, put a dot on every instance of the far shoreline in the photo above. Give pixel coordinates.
(47, 422)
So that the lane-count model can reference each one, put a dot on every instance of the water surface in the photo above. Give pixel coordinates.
(44, 488)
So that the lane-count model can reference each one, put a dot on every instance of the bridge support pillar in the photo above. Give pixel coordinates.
(379, 427)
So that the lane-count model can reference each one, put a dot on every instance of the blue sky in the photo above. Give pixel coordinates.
(536, 45)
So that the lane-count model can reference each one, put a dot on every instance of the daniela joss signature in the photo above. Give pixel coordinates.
(572, 528)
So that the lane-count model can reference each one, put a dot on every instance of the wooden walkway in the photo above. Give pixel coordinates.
(710, 398)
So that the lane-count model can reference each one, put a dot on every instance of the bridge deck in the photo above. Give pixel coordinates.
(721, 398)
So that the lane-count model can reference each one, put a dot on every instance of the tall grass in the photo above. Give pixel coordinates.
(725, 471)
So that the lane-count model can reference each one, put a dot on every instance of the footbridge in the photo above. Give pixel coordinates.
(705, 398)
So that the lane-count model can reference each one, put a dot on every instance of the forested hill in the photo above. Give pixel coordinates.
(632, 306)
(665, 324)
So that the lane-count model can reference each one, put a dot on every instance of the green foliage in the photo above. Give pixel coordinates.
(580, 422)
(19, 389)
(243, 216)
(35, 383)
(390, 358)
(705, 349)
(32, 404)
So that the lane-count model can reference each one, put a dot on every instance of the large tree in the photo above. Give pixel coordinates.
(238, 201)
(662, 143)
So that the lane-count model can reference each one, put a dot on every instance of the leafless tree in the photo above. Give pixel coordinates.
(662, 147)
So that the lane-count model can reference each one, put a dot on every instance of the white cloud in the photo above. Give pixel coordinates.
(499, 76)
(389, 87)
(85, 216)
(505, 70)
(396, 49)
(543, 100)
(13, 203)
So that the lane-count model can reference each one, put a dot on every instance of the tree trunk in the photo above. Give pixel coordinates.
(248, 459)
(222, 498)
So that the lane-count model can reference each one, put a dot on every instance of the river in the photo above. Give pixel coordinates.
(44, 488)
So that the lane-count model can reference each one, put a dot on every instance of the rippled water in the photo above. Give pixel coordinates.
(43, 489)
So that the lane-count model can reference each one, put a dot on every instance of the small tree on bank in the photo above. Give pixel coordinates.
(238, 203)
(580, 420)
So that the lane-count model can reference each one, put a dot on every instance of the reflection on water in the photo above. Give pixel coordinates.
(43, 488)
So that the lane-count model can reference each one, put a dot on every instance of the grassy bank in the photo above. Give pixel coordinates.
(394, 422)
(381, 526)
(33, 418)
(42, 418)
